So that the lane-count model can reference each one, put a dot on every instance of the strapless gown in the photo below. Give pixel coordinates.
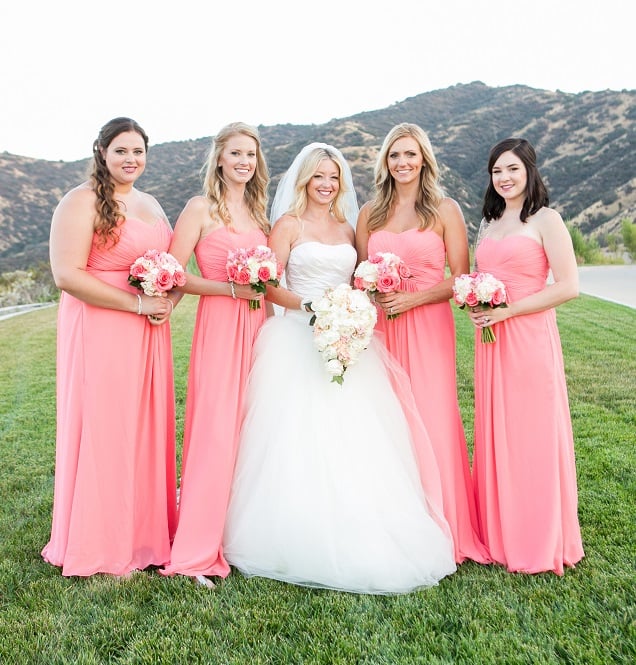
(114, 507)
(524, 466)
(220, 359)
(423, 341)
(336, 486)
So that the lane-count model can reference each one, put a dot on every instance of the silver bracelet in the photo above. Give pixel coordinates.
(233, 291)
(138, 304)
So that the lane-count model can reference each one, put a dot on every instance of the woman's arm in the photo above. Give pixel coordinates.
(283, 236)
(192, 221)
(557, 245)
(70, 243)
(362, 234)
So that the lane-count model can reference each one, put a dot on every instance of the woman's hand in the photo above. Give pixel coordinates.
(397, 302)
(484, 317)
(246, 292)
(157, 309)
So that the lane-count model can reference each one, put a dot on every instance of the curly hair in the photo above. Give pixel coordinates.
(109, 214)
(536, 192)
(215, 188)
(430, 193)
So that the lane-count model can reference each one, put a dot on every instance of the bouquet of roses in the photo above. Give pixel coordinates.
(256, 266)
(343, 327)
(480, 289)
(156, 272)
(381, 273)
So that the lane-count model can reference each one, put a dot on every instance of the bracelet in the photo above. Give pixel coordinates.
(171, 304)
(233, 291)
(138, 304)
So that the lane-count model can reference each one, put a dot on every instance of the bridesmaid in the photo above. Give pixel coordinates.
(230, 214)
(114, 507)
(524, 467)
(410, 216)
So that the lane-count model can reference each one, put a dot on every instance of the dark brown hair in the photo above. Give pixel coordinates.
(109, 215)
(536, 192)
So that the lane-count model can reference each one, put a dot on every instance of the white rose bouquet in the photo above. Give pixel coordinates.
(343, 323)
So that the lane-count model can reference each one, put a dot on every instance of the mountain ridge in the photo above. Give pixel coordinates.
(585, 145)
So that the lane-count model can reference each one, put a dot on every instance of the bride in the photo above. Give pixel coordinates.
(336, 486)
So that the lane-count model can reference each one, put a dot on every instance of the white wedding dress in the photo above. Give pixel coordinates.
(336, 486)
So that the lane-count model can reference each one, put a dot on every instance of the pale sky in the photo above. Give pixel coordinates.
(185, 68)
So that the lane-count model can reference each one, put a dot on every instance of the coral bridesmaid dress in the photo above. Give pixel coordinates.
(423, 341)
(220, 360)
(115, 481)
(524, 468)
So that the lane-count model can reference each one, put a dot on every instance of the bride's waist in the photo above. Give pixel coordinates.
(298, 314)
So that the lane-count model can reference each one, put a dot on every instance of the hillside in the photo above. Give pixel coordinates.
(585, 143)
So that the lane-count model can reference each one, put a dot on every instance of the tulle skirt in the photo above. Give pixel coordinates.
(328, 489)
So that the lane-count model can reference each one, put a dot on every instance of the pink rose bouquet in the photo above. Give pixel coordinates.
(480, 289)
(381, 273)
(156, 272)
(256, 266)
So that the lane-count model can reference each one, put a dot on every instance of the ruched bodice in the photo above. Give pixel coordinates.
(518, 261)
(211, 252)
(422, 251)
(313, 267)
(135, 238)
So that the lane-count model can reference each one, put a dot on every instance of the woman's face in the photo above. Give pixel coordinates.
(324, 185)
(238, 159)
(404, 160)
(125, 157)
(509, 176)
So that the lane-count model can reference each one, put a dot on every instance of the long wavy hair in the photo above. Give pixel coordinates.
(215, 188)
(109, 214)
(536, 192)
(306, 172)
(430, 193)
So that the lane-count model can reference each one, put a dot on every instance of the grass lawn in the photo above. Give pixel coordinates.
(479, 615)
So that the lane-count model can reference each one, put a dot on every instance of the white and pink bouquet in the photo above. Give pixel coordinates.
(343, 323)
(256, 266)
(381, 273)
(480, 289)
(156, 272)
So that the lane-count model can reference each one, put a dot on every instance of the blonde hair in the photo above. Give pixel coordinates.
(215, 188)
(306, 172)
(430, 193)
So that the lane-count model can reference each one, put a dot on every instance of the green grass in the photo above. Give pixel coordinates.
(478, 615)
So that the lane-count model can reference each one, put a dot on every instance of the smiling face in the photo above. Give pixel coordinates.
(238, 159)
(404, 160)
(324, 184)
(509, 177)
(125, 157)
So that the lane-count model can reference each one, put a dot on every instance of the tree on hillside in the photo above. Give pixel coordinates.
(629, 237)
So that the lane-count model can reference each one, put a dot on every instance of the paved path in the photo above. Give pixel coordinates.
(8, 312)
(614, 283)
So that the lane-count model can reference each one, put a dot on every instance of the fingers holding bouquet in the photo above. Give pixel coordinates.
(393, 302)
(160, 308)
